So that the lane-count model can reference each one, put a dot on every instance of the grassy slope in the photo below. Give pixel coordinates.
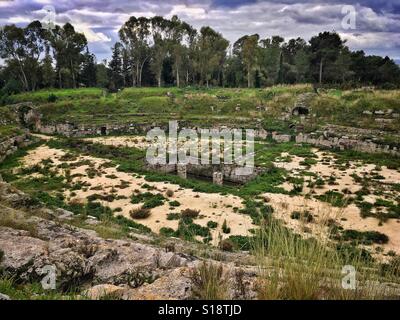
(241, 107)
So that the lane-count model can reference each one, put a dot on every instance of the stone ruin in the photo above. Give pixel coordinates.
(218, 178)
(181, 171)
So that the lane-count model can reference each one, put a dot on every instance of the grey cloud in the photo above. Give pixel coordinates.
(376, 20)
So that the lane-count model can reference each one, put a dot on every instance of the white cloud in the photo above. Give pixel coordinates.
(194, 12)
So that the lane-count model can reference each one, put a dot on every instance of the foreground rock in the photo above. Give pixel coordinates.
(4, 297)
(121, 269)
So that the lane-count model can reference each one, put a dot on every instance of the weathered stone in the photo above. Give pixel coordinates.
(105, 290)
(182, 171)
(4, 297)
(281, 137)
(64, 214)
(218, 178)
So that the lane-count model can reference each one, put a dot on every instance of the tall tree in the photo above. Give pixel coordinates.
(68, 47)
(211, 53)
(135, 35)
(88, 72)
(116, 66)
(325, 48)
(246, 48)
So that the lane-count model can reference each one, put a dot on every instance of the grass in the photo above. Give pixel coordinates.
(42, 96)
(208, 282)
(34, 291)
(194, 105)
(9, 130)
(16, 221)
(294, 268)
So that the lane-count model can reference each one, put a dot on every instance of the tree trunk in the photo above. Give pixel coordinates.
(320, 72)
(25, 80)
(137, 75)
(73, 75)
(59, 78)
(177, 77)
(248, 78)
(159, 80)
(133, 77)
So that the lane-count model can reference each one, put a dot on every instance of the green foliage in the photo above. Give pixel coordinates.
(149, 200)
(366, 238)
(225, 228)
(174, 203)
(336, 199)
(173, 216)
(212, 224)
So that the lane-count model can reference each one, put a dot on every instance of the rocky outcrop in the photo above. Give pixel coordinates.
(125, 269)
(11, 144)
(345, 143)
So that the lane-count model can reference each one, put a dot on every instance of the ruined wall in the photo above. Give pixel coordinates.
(345, 143)
(229, 172)
(10, 145)
(73, 130)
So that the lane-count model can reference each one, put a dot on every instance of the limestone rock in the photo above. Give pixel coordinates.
(105, 291)
(64, 214)
(4, 297)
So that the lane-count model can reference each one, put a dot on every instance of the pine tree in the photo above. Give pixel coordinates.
(116, 66)
(48, 73)
(88, 73)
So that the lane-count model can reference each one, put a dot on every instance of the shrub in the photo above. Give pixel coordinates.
(167, 232)
(140, 213)
(52, 98)
(212, 224)
(225, 228)
(305, 216)
(190, 213)
(150, 200)
(208, 282)
(174, 203)
(241, 242)
(169, 193)
(187, 230)
(367, 238)
(226, 245)
(173, 216)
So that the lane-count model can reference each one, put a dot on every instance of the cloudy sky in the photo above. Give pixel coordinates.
(377, 21)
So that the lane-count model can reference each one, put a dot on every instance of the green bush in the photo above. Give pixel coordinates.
(174, 203)
(52, 98)
(149, 200)
(225, 228)
(212, 224)
(366, 238)
(173, 216)
(167, 232)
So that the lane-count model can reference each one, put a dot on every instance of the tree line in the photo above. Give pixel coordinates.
(170, 52)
